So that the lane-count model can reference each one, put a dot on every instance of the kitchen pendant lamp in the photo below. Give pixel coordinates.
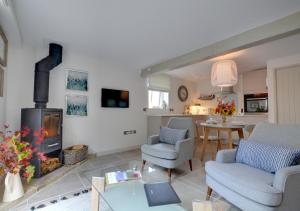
(224, 73)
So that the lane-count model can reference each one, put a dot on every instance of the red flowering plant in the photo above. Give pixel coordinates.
(225, 107)
(15, 154)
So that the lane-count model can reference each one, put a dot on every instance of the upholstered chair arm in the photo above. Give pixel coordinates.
(226, 156)
(154, 139)
(288, 178)
(185, 148)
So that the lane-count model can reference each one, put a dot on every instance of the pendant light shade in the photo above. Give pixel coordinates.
(224, 73)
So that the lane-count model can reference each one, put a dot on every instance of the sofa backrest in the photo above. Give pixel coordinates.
(182, 123)
(281, 134)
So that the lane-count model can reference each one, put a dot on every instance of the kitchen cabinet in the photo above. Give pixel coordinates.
(255, 82)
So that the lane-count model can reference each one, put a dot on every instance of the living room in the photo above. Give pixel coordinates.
(165, 58)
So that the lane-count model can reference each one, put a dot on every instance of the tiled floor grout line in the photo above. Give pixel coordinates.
(80, 179)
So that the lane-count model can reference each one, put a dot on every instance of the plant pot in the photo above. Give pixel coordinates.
(13, 187)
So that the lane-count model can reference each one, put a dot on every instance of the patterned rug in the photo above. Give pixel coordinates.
(77, 200)
(80, 200)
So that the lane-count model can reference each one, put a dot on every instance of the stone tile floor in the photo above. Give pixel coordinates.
(189, 185)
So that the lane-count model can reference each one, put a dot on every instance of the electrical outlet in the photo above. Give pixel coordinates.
(129, 132)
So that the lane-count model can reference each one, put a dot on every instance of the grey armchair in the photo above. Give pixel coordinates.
(253, 189)
(168, 155)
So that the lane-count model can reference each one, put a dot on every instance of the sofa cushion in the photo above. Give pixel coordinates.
(252, 183)
(165, 151)
(268, 157)
(171, 136)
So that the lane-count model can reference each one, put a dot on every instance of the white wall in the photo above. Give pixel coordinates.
(103, 128)
(2, 111)
(19, 83)
(3, 102)
(10, 27)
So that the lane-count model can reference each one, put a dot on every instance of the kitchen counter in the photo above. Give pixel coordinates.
(154, 121)
(171, 115)
(194, 115)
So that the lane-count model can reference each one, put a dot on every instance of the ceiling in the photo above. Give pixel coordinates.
(139, 33)
(246, 60)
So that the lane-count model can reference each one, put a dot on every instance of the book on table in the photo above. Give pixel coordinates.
(121, 176)
(160, 193)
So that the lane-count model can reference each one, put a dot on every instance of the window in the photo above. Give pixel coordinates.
(158, 91)
(158, 99)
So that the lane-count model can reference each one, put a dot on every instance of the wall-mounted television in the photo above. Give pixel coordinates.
(112, 98)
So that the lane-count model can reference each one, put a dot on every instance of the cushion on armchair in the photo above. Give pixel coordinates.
(171, 136)
(161, 150)
(268, 157)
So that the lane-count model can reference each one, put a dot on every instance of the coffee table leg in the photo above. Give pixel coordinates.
(98, 186)
(205, 141)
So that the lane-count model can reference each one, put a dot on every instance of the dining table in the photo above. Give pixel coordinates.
(219, 127)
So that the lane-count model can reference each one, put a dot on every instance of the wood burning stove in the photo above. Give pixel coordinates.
(50, 119)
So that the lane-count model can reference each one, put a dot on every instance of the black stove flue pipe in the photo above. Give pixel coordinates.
(42, 71)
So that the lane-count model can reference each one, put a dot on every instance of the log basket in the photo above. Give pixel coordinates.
(75, 154)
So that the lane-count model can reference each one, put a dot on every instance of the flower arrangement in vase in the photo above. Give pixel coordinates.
(15, 156)
(225, 108)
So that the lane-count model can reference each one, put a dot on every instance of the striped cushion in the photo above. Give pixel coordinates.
(171, 136)
(267, 157)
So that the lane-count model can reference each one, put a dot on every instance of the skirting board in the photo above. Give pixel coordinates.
(108, 152)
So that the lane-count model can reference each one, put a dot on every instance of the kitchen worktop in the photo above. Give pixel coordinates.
(170, 115)
(154, 121)
(191, 115)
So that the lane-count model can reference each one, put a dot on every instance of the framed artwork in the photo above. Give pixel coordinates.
(76, 105)
(77, 80)
(3, 48)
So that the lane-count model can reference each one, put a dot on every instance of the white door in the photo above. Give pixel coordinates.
(288, 95)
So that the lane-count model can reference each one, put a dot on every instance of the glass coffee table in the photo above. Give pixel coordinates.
(130, 195)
